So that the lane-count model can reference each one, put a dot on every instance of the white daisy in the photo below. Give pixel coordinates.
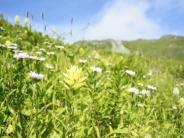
(150, 73)
(39, 52)
(83, 61)
(60, 47)
(21, 56)
(144, 76)
(130, 72)
(147, 92)
(33, 57)
(140, 105)
(174, 107)
(2, 29)
(35, 75)
(141, 84)
(50, 53)
(96, 69)
(41, 59)
(152, 87)
(12, 46)
(48, 66)
(176, 91)
(2, 46)
(133, 90)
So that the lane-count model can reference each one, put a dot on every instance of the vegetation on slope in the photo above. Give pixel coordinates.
(49, 89)
(169, 46)
(165, 47)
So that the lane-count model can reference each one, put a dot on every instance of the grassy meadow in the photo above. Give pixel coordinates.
(51, 89)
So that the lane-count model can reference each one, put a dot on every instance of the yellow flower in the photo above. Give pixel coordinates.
(7, 43)
(17, 19)
(26, 21)
(74, 77)
(181, 102)
(10, 129)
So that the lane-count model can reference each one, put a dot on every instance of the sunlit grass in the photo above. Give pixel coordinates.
(49, 89)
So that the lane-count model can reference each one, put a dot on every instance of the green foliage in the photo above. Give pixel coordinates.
(85, 92)
(166, 47)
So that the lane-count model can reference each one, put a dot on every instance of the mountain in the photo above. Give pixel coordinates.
(168, 46)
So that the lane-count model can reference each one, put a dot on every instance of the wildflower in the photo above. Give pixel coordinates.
(140, 105)
(130, 72)
(11, 45)
(133, 90)
(10, 129)
(37, 58)
(33, 57)
(121, 112)
(49, 66)
(174, 107)
(150, 73)
(2, 29)
(82, 61)
(96, 69)
(7, 43)
(26, 21)
(17, 19)
(151, 87)
(36, 76)
(60, 47)
(21, 56)
(41, 59)
(42, 49)
(140, 84)
(39, 52)
(74, 77)
(2, 46)
(181, 102)
(176, 91)
(147, 92)
(50, 53)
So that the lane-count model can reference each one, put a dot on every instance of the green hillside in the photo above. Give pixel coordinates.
(166, 47)
(51, 89)
(170, 46)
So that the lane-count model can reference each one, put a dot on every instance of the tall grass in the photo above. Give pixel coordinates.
(108, 95)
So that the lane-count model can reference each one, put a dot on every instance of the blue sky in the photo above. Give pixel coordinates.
(102, 19)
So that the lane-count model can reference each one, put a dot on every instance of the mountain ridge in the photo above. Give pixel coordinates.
(167, 46)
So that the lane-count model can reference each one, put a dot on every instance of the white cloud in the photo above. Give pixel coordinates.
(123, 20)
(129, 19)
